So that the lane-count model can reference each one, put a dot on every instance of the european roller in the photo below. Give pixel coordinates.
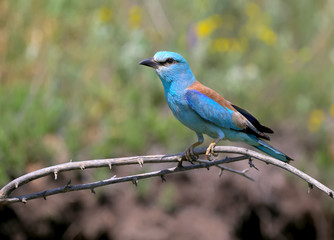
(205, 111)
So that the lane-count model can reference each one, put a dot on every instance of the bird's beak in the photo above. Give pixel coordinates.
(149, 62)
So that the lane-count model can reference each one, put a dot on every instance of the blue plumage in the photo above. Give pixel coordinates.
(205, 111)
(210, 110)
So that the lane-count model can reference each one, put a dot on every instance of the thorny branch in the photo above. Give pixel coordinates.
(246, 154)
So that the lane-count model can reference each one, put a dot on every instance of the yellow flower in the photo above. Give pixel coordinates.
(267, 35)
(104, 14)
(258, 25)
(331, 110)
(205, 27)
(316, 119)
(229, 45)
(253, 10)
(135, 16)
(221, 45)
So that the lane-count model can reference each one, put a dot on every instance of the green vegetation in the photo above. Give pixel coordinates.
(71, 87)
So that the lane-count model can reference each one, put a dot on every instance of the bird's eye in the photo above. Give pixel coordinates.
(170, 60)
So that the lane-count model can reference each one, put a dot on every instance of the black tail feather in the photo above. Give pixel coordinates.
(253, 120)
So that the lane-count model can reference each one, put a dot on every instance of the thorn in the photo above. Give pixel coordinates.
(92, 190)
(331, 194)
(68, 183)
(310, 187)
(226, 159)
(135, 181)
(24, 200)
(141, 162)
(16, 184)
(208, 168)
(110, 165)
(44, 195)
(113, 177)
(55, 172)
(251, 164)
(163, 179)
(220, 172)
(82, 166)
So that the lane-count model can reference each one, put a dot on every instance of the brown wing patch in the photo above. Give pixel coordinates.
(238, 119)
(212, 94)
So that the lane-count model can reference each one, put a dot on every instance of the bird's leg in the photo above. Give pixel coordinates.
(209, 151)
(189, 152)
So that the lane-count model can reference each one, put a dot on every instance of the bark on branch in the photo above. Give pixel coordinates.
(246, 154)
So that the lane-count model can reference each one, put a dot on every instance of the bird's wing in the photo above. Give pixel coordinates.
(210, 110)
(253, 120)
(214, 108)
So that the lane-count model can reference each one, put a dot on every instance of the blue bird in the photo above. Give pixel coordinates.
(206, 112)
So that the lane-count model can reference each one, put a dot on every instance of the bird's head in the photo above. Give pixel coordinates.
(169, 66)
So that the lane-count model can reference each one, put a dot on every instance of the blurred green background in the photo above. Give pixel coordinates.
(71, 87)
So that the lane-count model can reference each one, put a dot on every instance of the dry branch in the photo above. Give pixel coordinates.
(246, 154)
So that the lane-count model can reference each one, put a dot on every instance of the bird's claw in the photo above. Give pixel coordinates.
(189, 154)
(209, 152)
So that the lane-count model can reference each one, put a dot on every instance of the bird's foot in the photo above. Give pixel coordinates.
(209, 151)
(189, 154)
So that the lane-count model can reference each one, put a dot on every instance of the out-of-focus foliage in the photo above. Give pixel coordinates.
(71, 87)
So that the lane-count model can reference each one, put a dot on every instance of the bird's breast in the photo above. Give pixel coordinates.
(176, 103)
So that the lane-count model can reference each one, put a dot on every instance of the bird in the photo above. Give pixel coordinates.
(205, 111)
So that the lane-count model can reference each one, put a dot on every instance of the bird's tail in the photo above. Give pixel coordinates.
(271, 151)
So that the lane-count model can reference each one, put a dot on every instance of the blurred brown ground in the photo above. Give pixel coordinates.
(198, 205)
